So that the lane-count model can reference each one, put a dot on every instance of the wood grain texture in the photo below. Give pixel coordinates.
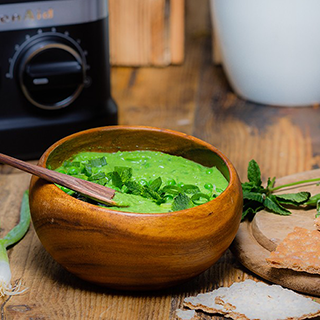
(194, 98)
(177, 31)
(146, 33)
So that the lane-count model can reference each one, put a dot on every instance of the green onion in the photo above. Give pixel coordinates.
(13, 236)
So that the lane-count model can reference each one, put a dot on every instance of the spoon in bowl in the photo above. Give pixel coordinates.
(89, 189)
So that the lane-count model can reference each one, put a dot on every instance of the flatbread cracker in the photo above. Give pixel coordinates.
(186, 314)
(250, 300)
(299, 251)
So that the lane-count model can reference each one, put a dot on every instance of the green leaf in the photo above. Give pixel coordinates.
(98, 162)
(146, 191)
(312, 201)
(87, 170)
(71, 164)
(125, 173)
(97, 176)
(116, 179)
(156, 184)
(273, 205)
(149, 193)
(18, 232)
(271, 182)
(254, 173)
(250, 208)
(181, 202)
(255, 196)
(250, 186)
(103, 181)
(134, 187)
(293, 198)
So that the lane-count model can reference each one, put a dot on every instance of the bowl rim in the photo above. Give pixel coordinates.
(233, 176)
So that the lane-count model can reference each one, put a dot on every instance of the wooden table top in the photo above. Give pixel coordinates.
(194, 98)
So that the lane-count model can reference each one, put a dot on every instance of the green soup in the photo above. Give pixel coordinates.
(148, 181)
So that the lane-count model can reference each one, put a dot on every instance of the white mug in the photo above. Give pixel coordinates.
(270, 49)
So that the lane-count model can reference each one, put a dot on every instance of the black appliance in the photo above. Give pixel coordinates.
(54, 72)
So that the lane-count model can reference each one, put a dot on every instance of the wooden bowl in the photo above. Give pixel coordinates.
(134, 251)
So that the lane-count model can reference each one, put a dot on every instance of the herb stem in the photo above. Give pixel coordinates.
(293, 184)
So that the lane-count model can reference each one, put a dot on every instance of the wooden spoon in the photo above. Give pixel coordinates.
(89, 189)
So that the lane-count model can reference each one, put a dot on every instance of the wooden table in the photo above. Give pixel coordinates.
(194, 98)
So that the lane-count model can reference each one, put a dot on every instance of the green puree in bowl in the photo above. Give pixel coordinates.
(148, 181)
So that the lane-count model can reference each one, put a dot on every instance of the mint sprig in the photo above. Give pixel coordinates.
(256, 197)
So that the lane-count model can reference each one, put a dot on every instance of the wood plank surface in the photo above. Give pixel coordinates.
(194, 98)
(146, 33)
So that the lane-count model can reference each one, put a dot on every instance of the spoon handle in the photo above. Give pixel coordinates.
(92, 190)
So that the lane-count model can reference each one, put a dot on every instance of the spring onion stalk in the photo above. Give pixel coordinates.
(294, 184)
(12, 237)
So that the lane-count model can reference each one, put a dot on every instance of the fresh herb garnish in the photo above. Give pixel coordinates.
(182, 196)
(97, 176)
(156, 184)
(98, 162)
(181, 202)
(256, 197)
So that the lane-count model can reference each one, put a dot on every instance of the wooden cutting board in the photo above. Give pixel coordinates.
(257, 238)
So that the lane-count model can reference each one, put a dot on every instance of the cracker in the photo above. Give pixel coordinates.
(186, 314)
(250, 300)
(299, 251)
(317, 223)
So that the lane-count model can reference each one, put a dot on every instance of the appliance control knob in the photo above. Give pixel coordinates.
(51, 73)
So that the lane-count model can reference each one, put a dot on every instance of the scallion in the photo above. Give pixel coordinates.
(12, 237)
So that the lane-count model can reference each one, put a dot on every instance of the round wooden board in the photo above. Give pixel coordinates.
(256, 239)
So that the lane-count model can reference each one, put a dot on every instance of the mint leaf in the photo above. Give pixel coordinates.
(98, 162)
(87, 170)
(156, 184)
(313, 201)
(293, 198)
(116, 179)
(271, 182)
(134, 187)
(250, 186)
(125, 173)
(103, 181)
(273, 205)
(255, 196)
(149, 193)
(97, 176)
(181, 202)
(254, 173)
(71, 164)
(250, 209)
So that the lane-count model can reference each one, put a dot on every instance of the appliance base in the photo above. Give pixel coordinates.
(27, 138)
